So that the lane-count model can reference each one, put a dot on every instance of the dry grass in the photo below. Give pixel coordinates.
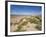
(25, 23)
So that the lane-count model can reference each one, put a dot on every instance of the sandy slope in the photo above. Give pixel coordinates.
(16, 19)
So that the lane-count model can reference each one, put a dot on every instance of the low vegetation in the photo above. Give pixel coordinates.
(32, 19)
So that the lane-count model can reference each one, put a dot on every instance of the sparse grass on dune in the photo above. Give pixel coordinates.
(32, 19)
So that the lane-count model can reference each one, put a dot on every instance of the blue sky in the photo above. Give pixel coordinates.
(25, 10)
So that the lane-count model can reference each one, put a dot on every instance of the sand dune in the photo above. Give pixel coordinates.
(23, 23)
